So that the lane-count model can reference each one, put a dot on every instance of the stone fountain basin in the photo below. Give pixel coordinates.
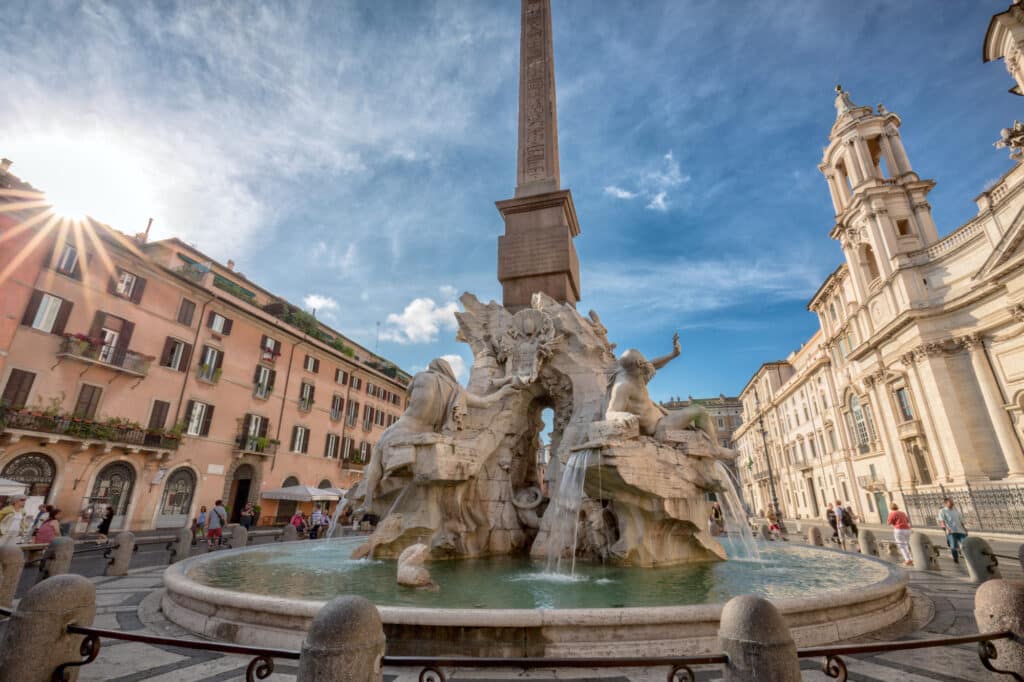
(259, 620)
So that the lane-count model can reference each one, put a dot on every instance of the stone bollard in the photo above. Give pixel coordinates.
(981, 563)
(866, 541)
(239, 537)
(181, 548)
(121, 555)
(289, 534)
(814, 536)
(35, 643)
(345, 643)
(57, 558)
(12, 563)
(757, 641)
(765, 531)
(1020, 556)
(999, 606)
(924, 553)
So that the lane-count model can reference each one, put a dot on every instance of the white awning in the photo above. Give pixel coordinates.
(301, 493)
(9, 487)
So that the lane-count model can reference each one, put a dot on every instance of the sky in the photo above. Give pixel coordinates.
(347, 155)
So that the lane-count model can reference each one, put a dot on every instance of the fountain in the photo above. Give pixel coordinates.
(618, 562)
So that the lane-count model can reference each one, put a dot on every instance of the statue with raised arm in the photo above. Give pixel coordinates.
(628, 395)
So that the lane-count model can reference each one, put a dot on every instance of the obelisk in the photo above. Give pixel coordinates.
(536, 253)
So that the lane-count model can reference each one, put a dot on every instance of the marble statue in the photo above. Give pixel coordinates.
(411, 572)
(1012, 139)
(628, 396)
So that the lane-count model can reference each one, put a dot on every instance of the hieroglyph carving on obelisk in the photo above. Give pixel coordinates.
(538, 120)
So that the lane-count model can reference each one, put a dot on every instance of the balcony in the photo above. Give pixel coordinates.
(18, 424)
(261, 391)
(909, 429)
(305, 404)
(760, 475)
(255, 445)
(94, 352)
(871, 482)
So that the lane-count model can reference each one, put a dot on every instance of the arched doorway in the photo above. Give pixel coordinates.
(177, 499)
(241, 486)
(35, 470)
(113, 487)
(285, 508)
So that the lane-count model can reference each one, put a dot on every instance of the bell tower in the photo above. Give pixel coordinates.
(536, 253)
(881, 206)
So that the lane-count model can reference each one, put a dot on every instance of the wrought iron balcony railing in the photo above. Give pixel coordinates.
(77, 428)
(258, 445)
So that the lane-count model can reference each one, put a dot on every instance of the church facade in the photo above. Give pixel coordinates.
(913, 387)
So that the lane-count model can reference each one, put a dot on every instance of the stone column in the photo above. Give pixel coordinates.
(182, 546)
(884, 421)
(899, 153)
(121, 556)
(994, 405)
(999, 606)
(892, 161)
(934, 448)
(864, 157)
(57, 558)
(345, 643)
(12, 563)
(35, 642)
(757, 641)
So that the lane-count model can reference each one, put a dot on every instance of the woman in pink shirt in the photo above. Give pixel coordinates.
(900, 523)
(49, 530)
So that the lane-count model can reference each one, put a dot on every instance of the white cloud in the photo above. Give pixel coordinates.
(458, 364)
(320, 303)
(448, 291)
(420, 322)
(657, 202)
(619, 193)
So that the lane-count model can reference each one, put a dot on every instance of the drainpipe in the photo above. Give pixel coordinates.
(284, 397)
(195, 350)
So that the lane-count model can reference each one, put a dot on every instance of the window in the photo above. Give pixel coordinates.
(269, 348)
(46, 312)
(210, 365)
(67, 264)
(721, 423)
(263, 381)
(832, 311)
(158, 415)
(218, 323)
(127, 285)
(371, 389)
(832, 439)
(88, 401)
(175, 355)
(312, 364)
(903, 227)
(346, 448)
(19, 383)
(300, 439)
(337, 402)
(199, 416)
(364, 452)
(367, 418)
(903, 400)
(858, 425)
(357, 383)
(254, 433)
(186, 311)
(340, 377)
(306, 393)
(332, 447)
(353, 413)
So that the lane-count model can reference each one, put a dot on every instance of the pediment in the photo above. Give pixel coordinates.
(1007, 248)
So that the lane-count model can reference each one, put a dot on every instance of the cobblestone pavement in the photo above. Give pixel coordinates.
(943, 606)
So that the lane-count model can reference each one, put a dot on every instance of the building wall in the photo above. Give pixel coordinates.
(216, 459)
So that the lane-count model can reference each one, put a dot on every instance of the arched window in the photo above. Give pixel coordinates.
(858, 424)
(869, 263)
(285, 508)
(832, 311)
(325, 484)
(35, 470)
(177, 501)
(114, 484)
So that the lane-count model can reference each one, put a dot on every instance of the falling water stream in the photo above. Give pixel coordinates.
(739, 541)
(564, 528)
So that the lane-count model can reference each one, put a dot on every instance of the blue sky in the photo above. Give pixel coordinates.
(348, 154)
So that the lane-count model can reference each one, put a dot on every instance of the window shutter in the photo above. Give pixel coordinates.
(33, 307)
(264, 423)
(277, 347)
(295, 438)
(246, 423)
(305, 442)
(165, 356)
(186, 311)
(263, 342)
(256, 376)
(207, 419)
(97, 323)
(140, 286)
(112, 283)
(270, 381)
(327, 446)
(227, 327)
(186, 355)
(219, 362)
(209, 319)
(312, 392)
(62, 317)
(316, 365)
(18, 386)
(158, 417)
(189, 406)
(127, 329)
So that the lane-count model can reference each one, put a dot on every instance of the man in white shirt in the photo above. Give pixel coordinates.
(12, 521)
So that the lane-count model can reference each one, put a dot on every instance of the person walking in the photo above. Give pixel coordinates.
(104, 528)
(850, 519)
(952, 521)
(298, 522)
(201, 523)
(314, 522)
(12, 520)
(216, 521)
(830, 516)
(246, 517)
(48, 529)
(900, 523)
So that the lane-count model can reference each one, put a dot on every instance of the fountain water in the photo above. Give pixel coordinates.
(739, 542)
(565, 511)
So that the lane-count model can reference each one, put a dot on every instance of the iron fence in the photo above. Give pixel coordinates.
(995, 507)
